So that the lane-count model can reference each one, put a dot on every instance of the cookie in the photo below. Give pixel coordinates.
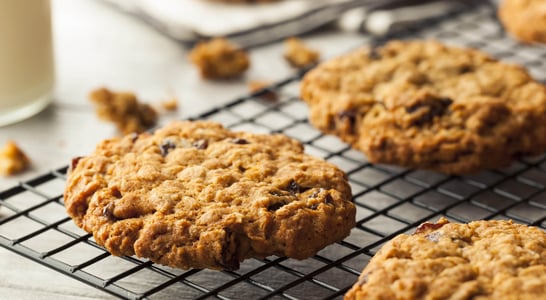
(299, 55)
(479, 260)
(124, 110)
(423, 104)
(524, 19)
(196, 195)
(219, 59)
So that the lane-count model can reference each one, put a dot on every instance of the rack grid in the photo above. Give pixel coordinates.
(389, 200)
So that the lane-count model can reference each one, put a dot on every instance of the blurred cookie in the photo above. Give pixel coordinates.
(478, 260)
(524, 19)
(219, 59)
(196, 195)
(299, 55)
(423, 104)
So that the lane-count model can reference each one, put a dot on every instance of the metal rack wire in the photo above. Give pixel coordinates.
(390, 200)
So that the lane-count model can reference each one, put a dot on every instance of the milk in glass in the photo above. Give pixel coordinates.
(26, 58)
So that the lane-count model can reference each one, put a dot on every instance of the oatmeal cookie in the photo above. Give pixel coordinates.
(298, 55)
(196, 195)
(422, 104)
(219, 59)
(524, 19)
(479, 260)
(124, 110)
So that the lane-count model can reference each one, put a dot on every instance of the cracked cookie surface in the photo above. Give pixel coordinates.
(479, 260)
(196, 195)
(423, 104)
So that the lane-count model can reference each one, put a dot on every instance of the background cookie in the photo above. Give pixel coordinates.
(479, 260)
(218, 58)
(525, 19)
(195, 195)
(423, 104)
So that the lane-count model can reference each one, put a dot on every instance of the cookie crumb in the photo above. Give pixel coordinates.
(170, 104)
(12, 159)
(298, 55)
(258, 85)
(219, 59)
(124, 110)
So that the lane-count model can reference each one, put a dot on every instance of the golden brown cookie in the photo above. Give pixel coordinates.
(479, 260)
(422, 104)
(196, 195)
(299, 55)
(524, 19)
(219, 59)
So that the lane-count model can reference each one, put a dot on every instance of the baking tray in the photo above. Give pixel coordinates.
(390, 200)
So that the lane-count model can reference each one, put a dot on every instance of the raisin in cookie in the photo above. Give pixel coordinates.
(480, 260)
(196, 195)
(423, 104)
(525, 19)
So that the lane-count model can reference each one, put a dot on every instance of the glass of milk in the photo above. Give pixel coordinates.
(26, 59)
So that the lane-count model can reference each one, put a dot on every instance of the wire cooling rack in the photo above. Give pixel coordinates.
(390, 200)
